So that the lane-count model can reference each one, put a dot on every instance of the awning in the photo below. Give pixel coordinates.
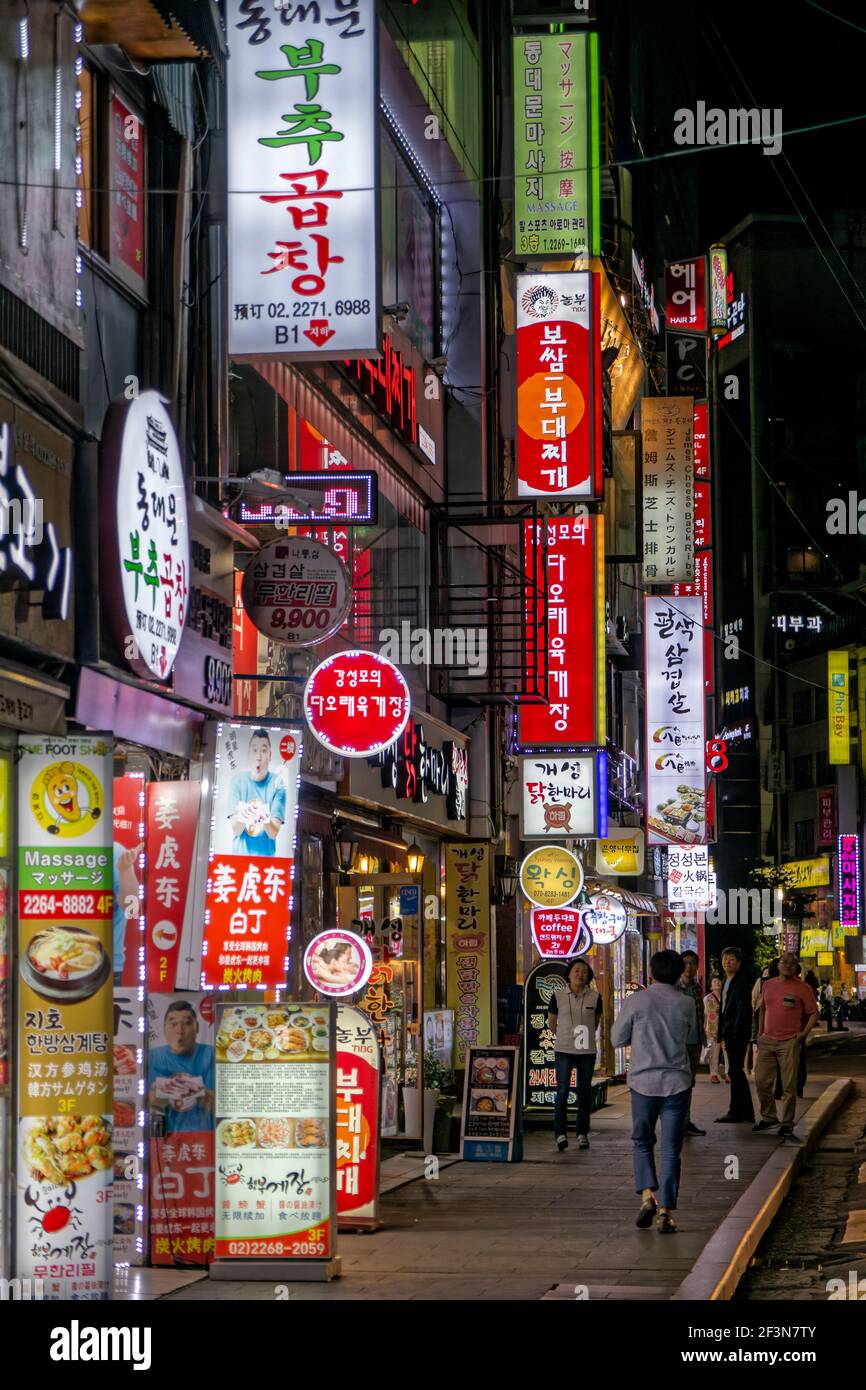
(156, 30)
(639, 903)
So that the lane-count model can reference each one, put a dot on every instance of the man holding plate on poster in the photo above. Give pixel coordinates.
(258, 801)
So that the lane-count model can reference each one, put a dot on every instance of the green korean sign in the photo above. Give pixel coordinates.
(556, 145)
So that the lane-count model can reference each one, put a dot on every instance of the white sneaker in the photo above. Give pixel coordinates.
(561, 1142)
(583, 1141)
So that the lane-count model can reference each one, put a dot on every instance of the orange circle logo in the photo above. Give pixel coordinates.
(535, 408)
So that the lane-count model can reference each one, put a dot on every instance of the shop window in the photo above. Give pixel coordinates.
(802, 707)
(389, 566)
(112, 184)
(410, 249)
(803, 773)
(804, 839)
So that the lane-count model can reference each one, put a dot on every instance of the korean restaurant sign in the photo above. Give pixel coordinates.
(559, 395)
(838, 701)
(686, 295)
(275, 1141)
(559, 932)
(489, 1132)
(356, 703)
(65, 1025)
(544, 980)
(172, 820)
(468, 957)
(621, 852)
(605, 918)
(559, 797)
(144, 537)
(676, 735)
(297, 591)
(428, 766)
(551, 876)
(248, 900)
(565, 557)
(359, 1070)
(667, 431)
(688, 876)
(848, 884)
(302, 122)
(556, 145)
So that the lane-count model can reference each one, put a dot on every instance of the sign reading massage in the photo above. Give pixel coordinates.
(302, 168)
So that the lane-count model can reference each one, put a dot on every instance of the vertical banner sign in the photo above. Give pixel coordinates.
(668, 434)
(827, 816)
(248, 902)
(359, 1072)
(181, 1082)
(172, 819)
(570, 567)
(849, 884)
(559, 397)
(557, 187)
(128, 1192)
(686, 295)
(275, 1146)
(126, 200)
(838, 700)
(467, 945)
(675, 710)
(688, 876)
(686, 358)
(303, 244)
(718, 289)
(702, 439)
(128, 852)
(65, 1032)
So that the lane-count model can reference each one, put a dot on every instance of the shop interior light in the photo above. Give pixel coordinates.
(414, 858)
(362, 864)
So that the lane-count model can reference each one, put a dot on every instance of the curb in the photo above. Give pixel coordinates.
(725, 1258)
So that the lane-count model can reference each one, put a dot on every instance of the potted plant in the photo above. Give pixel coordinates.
(409, 1091)
(440, 1097)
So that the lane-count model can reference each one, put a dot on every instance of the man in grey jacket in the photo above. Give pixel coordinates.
(656, 1024)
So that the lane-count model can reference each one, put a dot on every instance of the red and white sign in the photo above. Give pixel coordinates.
(573, 634)
(338, 962)
(686, 295)
(675, 714)
(356, 703)
(129, 863)
(172, 818)
(297, 591)
(605, 918)
(358, 1081)
(126, 199)
(558, 932)
(559, 393)
(688, 877)
(827, 816)
(702, 439)
(248, 903)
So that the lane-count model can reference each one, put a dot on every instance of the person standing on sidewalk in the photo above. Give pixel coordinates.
(573, 1015)
(689, 985)
(656, 1024)
(789, 1012)
(712, 1004)
(735, 1027)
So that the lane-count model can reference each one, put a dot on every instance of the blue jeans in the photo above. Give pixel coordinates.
(645, 1114)
(585, 1066)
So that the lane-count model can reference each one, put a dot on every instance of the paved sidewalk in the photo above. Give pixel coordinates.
(515, 1231)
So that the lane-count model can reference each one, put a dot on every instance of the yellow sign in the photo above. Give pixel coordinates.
(814, 939)
(4, 807)
(809, 873)
(824, 958)
(838, 936)
(837, 707)
(621, 853)
(467, 946)
(551, 876)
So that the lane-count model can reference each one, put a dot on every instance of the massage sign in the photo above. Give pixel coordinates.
(467, 944)
(65, 1028)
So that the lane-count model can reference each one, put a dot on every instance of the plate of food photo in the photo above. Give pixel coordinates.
(65, 963)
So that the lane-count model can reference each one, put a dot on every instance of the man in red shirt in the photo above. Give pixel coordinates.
(789, 1011)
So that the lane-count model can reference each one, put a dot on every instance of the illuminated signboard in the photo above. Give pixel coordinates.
(686, 295)
(559, 932)
(718, 288)
(848, 887)
(675, 714)
(606, 919)
(559, 395)
(688, 876)
(559, 797)
(551, 876)
(318, 499)
(302, 133)
(356, 703)
(837, 707)
(668, 434)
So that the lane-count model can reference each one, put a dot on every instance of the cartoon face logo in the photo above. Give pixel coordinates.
(66, 799)
(540, 302)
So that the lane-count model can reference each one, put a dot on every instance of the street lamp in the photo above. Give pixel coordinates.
(345, 844)
(414, 858)
(506, 878)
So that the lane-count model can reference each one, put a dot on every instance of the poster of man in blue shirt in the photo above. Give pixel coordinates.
(181, 1076)
(257, 808)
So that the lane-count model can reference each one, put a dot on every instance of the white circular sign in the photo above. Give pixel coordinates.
(338, 962)
(606, 918)
(152, 536)
(297, 591)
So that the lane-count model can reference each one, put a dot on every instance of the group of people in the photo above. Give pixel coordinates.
(666, 1028)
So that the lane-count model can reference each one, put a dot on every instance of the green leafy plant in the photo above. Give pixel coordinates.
(438, 1077)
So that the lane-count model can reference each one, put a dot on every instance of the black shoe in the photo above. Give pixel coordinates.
(561, 1143)
(691, 1129)
(728, 1119)
(665, 1224)
(646, 1214)
(764, 1124)
(787, 1132)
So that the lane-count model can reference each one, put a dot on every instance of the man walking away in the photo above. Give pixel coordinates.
(689, 985)
(735, 1028)
(656, 1024)
(789, 1012)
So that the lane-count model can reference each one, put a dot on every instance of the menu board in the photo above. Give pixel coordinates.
(489, 1106)
(275, 1149)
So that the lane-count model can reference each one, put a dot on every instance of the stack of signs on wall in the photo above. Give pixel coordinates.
(467, 944)
(275, 1139)
(358, 1081)
(172, 820)
(180, 1069)
(65, 1162)
(489, 1130)
(248, 904)
(129, 1195)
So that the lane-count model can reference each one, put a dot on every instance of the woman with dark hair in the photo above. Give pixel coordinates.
(573, 1015)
